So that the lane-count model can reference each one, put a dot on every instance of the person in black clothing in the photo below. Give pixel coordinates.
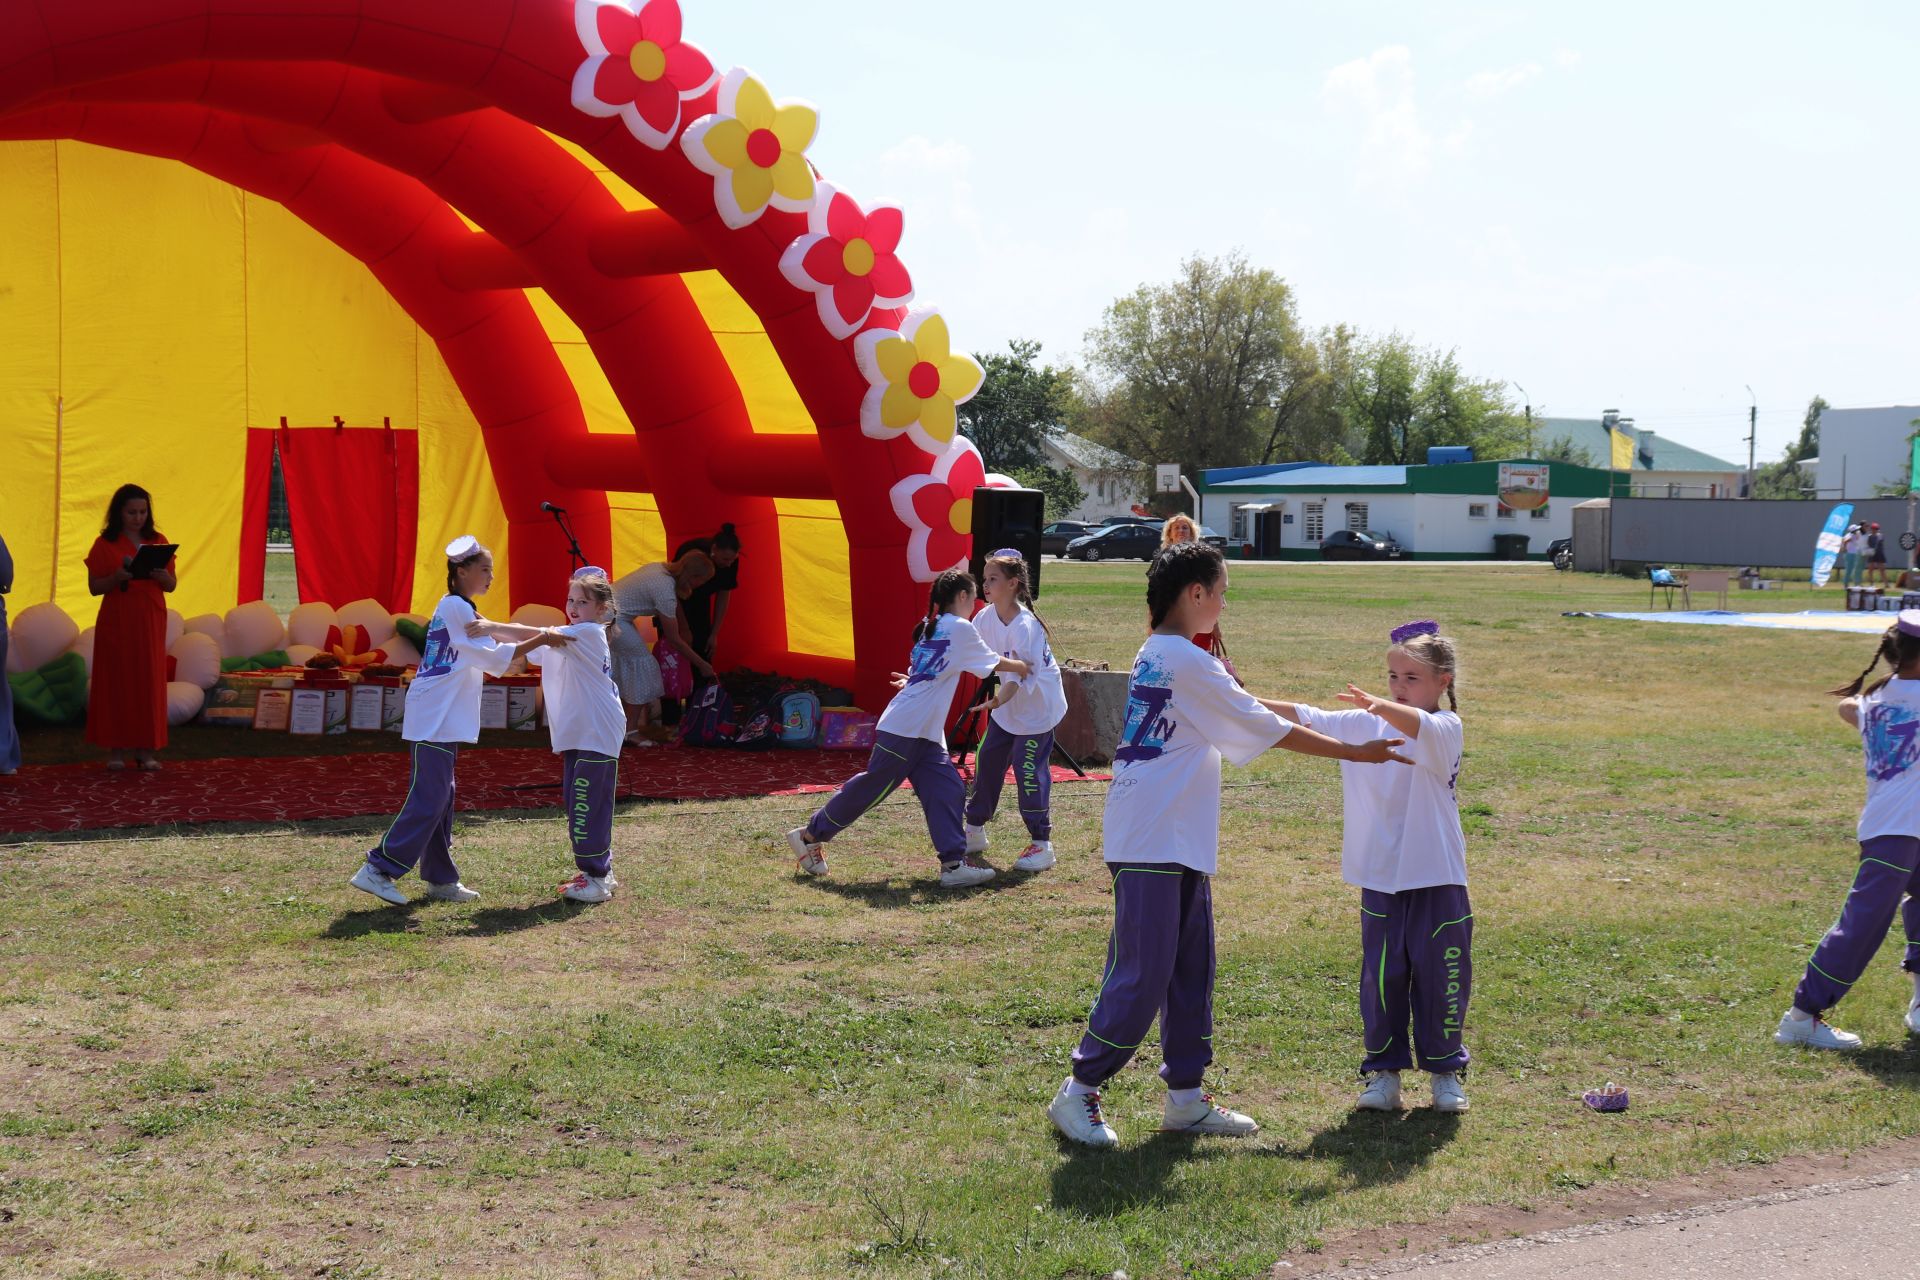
(702, 612)
(1876, 554)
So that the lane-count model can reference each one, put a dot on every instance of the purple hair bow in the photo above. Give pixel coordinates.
(1408, 630)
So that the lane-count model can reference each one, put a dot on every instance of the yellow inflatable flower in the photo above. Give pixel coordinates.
(756, 150)
(915, 381)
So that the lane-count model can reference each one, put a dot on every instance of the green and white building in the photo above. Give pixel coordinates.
(1435, 512)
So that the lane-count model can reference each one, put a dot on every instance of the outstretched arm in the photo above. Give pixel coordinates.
(1288, 711)
(1403, 718)
(540, 638)
(1308, 742)
(512, 632)
(1849, 710)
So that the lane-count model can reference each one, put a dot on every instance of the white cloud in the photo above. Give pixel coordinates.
(1396, 147)
(1566, 59)
(1491, 84)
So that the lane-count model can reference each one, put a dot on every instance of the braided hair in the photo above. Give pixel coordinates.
(1897, 648)
(947, 588)
(1423, 642)
(1014, 565)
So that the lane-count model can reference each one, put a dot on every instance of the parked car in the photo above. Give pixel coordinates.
(1560, 551)
(1117, 542)
(1359, 544)
(1213, 539)
(1110, 521)
(1055, 537)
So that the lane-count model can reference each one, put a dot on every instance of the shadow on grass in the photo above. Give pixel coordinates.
(889, 895)
(487, 922)
(1105, 1183)
(1373, 1148)
(383, 919)
(1889, 1064)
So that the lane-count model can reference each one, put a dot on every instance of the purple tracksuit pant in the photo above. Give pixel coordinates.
(590, 780)
(1417, 948)
(1889, 870)
(1032, 761)
(422, 834)
(1159, 962)
(895, 760)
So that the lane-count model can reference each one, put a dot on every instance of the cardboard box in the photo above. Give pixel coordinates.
(393, 707)
(523, 706)
(234, 696)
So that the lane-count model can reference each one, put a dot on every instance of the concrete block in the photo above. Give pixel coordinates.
(1096, 714)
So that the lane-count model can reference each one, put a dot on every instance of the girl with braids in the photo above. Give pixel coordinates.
(443, 711)
(1887, 715)
(1024, 712)
(1406, 853)
(910, 741)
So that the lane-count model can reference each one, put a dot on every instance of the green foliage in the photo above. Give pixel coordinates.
(1063, 491)
(1563, 449)
(1019, 401)
(1401, 400)
(1787, 478)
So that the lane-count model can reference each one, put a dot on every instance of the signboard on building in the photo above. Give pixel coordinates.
(1523, 485)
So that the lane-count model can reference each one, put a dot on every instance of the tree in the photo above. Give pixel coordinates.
(1562, 448)
(1018, 403)
(1402, 400)
(1062, 490)
(1193, 372)
(1787, 478)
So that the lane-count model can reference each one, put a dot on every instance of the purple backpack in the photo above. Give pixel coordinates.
(708, 718)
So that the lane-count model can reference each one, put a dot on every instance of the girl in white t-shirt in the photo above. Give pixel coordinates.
(1024, 713)
(1887, 714)
(1404, 850)
(910, 741)
(443, 711)
(586, 721)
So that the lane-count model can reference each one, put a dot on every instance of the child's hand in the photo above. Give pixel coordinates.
(899, 680)
(1362, 699)
(1017, 667)
(1380, 751)
(558, 639)
(479, 629)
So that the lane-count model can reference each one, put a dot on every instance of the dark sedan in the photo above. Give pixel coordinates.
(1117, 542)
(1055, 537)
(1359, 544)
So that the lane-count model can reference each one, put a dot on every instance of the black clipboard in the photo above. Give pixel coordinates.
(151, 556)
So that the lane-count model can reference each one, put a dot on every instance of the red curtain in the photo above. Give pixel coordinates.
(353, 498)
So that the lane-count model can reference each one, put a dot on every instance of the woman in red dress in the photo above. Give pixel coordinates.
(1181, 528)
(127, 705)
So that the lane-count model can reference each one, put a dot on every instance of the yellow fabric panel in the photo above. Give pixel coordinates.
(30, 370)
(773, 405)
(598, 403)
(321, 331)
(153, 340)
(457, 492)
(814, 573)
(638, 536)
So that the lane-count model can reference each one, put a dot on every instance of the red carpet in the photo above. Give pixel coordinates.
(79, 797)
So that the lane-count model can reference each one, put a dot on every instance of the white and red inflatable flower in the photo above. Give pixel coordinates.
(938, 508)
(638, 67)
(849, 261)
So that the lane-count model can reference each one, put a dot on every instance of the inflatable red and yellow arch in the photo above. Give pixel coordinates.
(640, 302)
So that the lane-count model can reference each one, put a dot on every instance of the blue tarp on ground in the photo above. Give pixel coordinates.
(1871, 624)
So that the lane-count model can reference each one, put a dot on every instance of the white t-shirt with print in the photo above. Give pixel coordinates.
(1402, 822)
(1890, 736)
(443, 702)
(1039, 700)
(576, 681)
(1184, 713)
(920, 710)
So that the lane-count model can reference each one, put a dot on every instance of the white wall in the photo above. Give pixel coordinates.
(1863, 448)
(1427, 523)
(1121, 488)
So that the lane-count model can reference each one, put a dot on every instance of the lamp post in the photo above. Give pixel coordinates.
(1527, 400)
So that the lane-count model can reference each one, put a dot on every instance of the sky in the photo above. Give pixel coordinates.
(1647, 207)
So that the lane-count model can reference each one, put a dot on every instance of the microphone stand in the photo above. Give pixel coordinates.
(573, 543)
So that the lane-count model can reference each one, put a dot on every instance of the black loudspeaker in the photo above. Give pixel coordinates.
(1008, 518)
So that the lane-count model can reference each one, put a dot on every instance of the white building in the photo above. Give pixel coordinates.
(1111, 481)
(1863, 450)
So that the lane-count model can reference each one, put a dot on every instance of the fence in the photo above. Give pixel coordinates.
(1735, 532)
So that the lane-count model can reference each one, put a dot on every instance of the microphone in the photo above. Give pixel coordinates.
(548, 506)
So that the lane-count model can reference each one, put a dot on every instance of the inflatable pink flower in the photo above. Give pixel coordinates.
(639, 69)
(847, 260)
(756, 150)
(938, 508)
(916, 381)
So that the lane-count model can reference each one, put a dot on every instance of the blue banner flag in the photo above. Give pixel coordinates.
(1827, 549)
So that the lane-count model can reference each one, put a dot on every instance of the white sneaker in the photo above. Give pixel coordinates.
(455, 892)
(1202, 1116)
(367, 880)
(1814, 1033)
(1077, 1115)
(1913, 1017)
(976, 839)
(1382, 1092)
(963, 875)
(586, 888)
(1038, 857)
(810, 859)
(1448, 1096)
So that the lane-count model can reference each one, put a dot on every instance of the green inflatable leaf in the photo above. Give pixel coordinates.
(56, 694)
(411, 631)
(259, 662)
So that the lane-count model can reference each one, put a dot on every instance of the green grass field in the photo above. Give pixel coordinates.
(215, 1059)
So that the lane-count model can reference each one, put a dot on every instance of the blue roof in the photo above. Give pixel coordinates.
(1225, 475)
(1311, 474)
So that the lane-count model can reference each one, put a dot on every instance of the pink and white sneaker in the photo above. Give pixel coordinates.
(810, 858)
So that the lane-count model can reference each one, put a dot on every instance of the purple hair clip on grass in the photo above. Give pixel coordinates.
(1408, 630)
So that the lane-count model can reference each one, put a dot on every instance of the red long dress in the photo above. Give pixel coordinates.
(127, 705)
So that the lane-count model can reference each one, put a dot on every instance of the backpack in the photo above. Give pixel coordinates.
(708, 718)
(799, 719)
(760, 731)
